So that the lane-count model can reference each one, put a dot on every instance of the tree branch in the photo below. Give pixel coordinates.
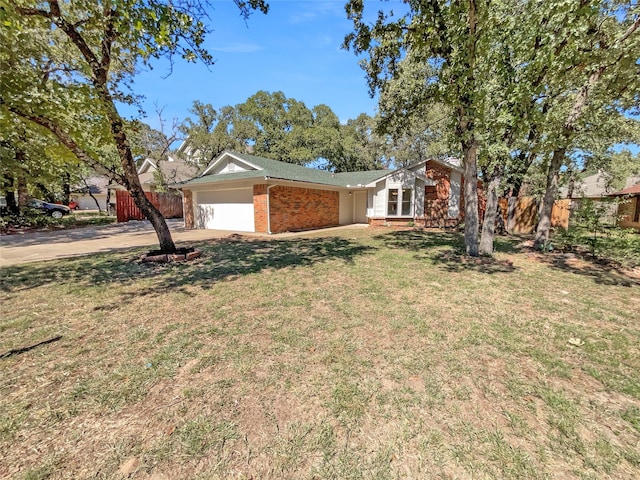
(55, 14)
(109, 37)
(68, 142)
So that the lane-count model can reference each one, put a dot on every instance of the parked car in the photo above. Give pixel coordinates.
(53, 209)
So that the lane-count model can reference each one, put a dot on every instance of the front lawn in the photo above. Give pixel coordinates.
(370, 353)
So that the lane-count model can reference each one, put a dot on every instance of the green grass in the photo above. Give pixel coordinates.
(368, 354)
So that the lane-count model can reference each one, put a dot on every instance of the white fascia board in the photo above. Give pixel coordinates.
(183, 145)
(221, 158)
(439, 162)
(447, 165)
(146, 165)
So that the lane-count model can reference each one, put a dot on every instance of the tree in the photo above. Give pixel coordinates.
(277, 127)
(603, 77)
(362, 147)
(77, 59)
(281, 128)
(23, 172)
(418, 125)
(211, 132)
(452, 38)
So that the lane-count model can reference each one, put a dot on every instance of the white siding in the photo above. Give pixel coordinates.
(346, 208)
(380, 200)
(231, 165)
(360, 207)
(418, 210)
(225, 210)
(419, 169)
(454, 194)
(402, 179)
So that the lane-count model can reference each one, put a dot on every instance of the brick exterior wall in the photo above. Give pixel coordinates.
(187, 208)
(260, 208)
(436, 199)
(294, 208)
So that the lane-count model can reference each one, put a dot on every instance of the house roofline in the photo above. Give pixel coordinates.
(416, 175)
(222, 155)
(147, 161)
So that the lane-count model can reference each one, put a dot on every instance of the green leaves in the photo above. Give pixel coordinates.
(274, 126)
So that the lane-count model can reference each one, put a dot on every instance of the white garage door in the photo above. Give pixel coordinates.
(226, 210)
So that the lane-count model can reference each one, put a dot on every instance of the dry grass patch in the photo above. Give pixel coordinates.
(372, 354)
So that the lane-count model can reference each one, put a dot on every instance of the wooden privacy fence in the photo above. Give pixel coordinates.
(520, 215)
(169, 204)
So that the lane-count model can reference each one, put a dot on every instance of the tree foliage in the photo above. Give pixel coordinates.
(519, 94)
(275, 126)
(65, 65)
(452, 39)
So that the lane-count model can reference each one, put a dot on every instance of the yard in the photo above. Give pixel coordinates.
(367, 354)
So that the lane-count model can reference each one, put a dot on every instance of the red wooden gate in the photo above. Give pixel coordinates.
(169, 204)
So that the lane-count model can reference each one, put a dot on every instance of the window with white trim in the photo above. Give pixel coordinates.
(399, 202)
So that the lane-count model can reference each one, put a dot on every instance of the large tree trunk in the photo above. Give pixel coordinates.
(23, 193)
(100, 79)
(491, 213)
(471, 221)
(8, 187)
(553, 177)
(66, 188)
(133, 185)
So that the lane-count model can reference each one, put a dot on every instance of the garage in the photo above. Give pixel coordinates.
(225, 210)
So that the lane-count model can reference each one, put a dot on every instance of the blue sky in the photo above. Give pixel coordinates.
(295, 48)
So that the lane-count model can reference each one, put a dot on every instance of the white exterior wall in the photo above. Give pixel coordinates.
(379, 200)
(231, 165)
(454, 194)
(400, 180)
(418, 202)
(346, 208)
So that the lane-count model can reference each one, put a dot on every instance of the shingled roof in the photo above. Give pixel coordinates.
(274, 169)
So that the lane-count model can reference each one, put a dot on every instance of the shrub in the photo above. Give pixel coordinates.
(588, 230)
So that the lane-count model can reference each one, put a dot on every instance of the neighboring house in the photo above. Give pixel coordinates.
(245, 193)
(595, 187)
(629, 210)
(99, 187)
(172, 170)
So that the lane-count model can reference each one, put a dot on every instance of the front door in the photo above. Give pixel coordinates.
(360, 207)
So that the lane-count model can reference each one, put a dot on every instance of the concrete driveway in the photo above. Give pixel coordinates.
(32, 247)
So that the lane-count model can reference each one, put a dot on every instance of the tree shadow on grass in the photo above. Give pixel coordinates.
(601, 271)
(446, 250)
(221, 260)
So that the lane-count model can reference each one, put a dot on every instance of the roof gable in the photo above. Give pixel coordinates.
(229, 162)
(146, 165)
